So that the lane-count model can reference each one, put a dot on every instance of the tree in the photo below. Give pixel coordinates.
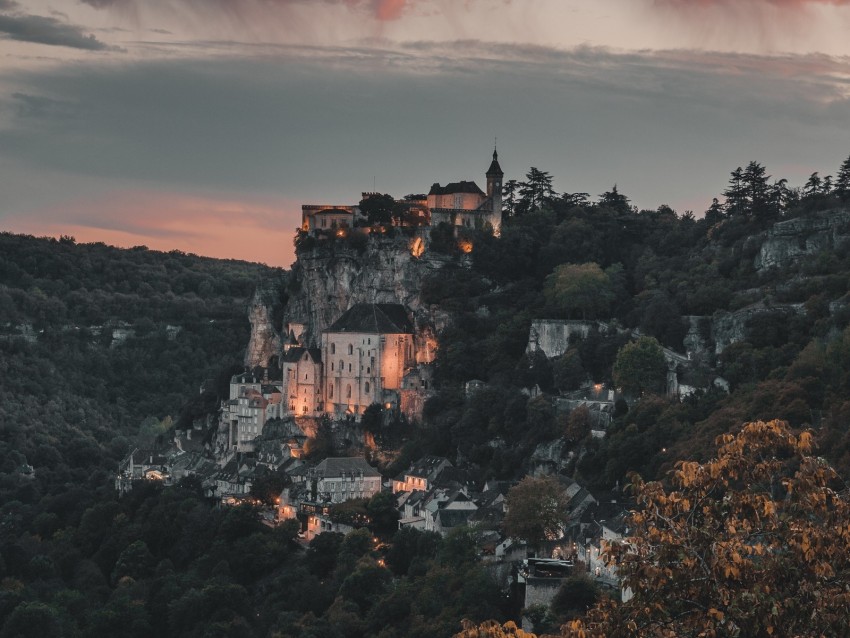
(735, 194)
(813, 185)
(751, 543)
(509, 197)
(535, 191)
(615, 200)
(583, 289)
(842, 181)
(640, 367)
(537, 510)
(381, 209)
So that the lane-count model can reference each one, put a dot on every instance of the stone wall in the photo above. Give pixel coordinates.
(330, 279)
(552, 336)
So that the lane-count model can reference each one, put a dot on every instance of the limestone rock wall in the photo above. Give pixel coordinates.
(330, 279)
(264, 343)
(552, 336)
(789, 240)
(730, 327)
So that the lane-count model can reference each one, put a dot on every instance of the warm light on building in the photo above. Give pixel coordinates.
(417, 247)
(465, 246)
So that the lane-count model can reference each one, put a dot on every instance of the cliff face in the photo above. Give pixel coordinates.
(731, 327)
(266, 304)
(330, 279)
(795, 238)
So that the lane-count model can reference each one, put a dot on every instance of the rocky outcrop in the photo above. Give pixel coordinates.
(552, 336)
(730, 327)
(790, 240)
(265, 343)
(330, 279)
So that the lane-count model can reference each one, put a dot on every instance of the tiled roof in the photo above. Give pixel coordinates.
(294, 354)
(428, 465)
(377, 318)
(455, 187)
(337, 466)
(495, 170)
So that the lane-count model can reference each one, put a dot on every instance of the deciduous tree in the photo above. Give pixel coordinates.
(640, 366)
(537, 510)
(753, 542)
(580, 289)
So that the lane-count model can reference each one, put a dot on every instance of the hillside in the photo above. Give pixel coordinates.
(101, 348)
(98, 344)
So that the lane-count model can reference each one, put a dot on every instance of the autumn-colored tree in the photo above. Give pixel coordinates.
(537, 509)
(755, 543)
(640, 366)
(492, 629)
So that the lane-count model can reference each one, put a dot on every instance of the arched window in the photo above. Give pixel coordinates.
(350, 349)
(341, 365)
(333, 348)
(348, 392)
(366, 388)
(330, 390)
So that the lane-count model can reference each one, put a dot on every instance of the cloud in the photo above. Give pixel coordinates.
(380, 9)
(783, 4)
(8, 5)
(39, 106)
(50, 31)
(316, 124)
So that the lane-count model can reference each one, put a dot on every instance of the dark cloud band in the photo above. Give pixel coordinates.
(50, 31)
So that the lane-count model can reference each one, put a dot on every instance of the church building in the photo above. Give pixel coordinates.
(464, 204)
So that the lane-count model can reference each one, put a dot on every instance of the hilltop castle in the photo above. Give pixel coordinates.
(459, 204)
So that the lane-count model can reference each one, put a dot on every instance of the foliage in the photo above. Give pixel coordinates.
(536, 510)
(583, 289)
(751, 543)
(640, 367)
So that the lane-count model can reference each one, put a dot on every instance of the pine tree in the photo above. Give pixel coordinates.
(735, 194)
(842, 181)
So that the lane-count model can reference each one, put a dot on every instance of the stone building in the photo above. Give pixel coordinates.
(366, 353)
(459, 204)
(302, 381)
(465, 204)
(363, 359)
(253, 401)
(327, 216)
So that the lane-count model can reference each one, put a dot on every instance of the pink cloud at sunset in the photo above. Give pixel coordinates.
(250, 229)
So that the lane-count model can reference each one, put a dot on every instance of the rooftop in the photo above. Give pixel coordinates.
(374, 319)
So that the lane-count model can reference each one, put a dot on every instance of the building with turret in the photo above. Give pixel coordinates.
(465, 204)
(459, 204)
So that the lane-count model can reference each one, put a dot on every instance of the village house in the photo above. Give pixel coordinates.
(302, 380)
(253, 401)
(338, 479)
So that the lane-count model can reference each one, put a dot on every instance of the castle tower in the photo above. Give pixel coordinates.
(494, 192)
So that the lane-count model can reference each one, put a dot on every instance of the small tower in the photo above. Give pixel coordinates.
(494, 192)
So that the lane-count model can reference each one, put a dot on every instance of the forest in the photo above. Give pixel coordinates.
(101, 347)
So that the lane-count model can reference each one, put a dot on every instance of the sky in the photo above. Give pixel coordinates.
(203, 125)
